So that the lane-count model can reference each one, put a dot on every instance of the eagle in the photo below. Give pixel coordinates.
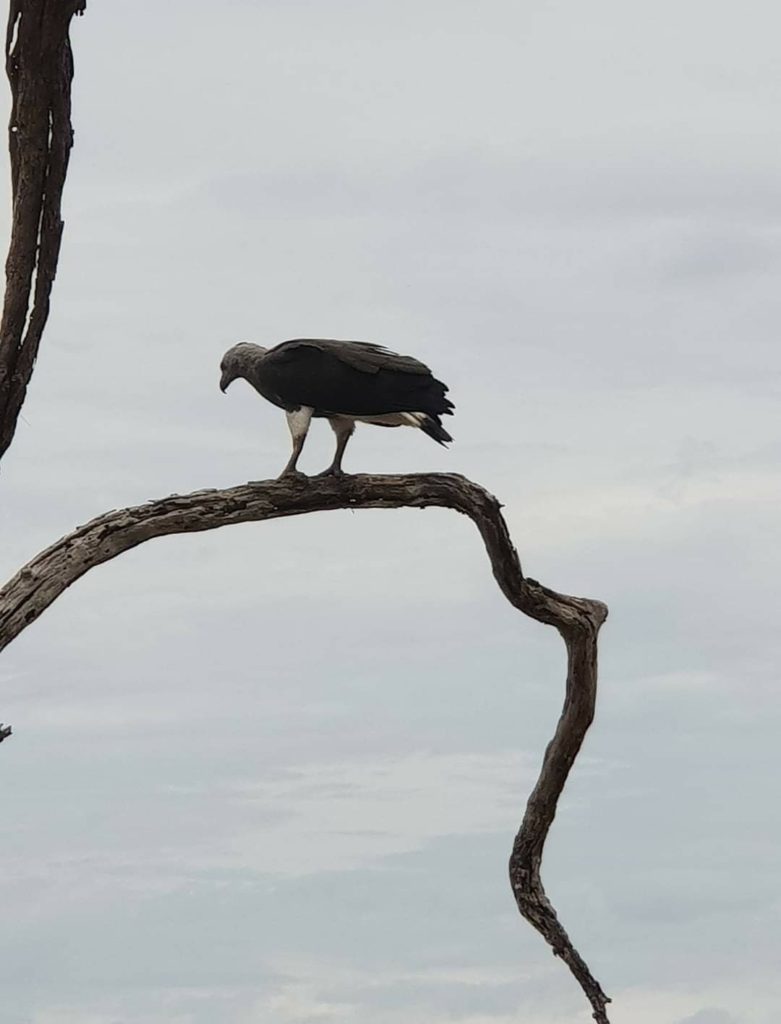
(344, 382)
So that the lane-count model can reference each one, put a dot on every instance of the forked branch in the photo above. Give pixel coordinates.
(578, 620)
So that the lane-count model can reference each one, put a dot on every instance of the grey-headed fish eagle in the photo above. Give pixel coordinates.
(344, 382)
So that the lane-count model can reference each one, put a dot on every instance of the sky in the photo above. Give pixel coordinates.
(272, 774)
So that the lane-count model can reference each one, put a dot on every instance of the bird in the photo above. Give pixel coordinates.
(344, 382)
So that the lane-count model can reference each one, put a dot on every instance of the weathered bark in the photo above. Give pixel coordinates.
(578, 620)
(39, 64)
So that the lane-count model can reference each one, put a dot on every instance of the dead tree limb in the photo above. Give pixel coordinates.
(578, 620)
(39, 64)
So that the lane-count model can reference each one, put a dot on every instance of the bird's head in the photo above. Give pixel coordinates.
(238, 362)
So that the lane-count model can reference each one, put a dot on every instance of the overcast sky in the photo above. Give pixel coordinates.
(271, 775)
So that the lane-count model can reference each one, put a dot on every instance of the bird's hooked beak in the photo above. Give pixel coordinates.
(225, 380)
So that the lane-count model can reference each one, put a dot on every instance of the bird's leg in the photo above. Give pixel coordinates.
(290, 468)
(298, 421)
(343, 428)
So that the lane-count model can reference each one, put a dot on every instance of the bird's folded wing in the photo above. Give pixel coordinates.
(310, 373)
(361, 355)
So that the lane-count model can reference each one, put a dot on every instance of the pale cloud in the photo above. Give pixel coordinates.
(351, 815)
(709, 1016)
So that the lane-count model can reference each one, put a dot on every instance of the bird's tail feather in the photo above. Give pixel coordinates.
(431, 426)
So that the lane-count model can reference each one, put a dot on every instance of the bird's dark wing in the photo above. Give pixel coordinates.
(361, 355)
(317, 374)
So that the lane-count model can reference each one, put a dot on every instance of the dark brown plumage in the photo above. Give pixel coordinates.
(343, 381)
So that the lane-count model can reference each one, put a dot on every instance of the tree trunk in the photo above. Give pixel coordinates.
(39, 65)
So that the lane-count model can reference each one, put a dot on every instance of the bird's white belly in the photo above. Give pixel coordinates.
(393, 419)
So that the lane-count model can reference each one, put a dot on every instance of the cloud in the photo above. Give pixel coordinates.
(709, 1016)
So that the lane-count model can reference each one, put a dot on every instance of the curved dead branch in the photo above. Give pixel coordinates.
(39, 64)
(43, 579)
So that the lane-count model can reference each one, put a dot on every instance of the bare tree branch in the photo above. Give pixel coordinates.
(39, 64)
(578, 620)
